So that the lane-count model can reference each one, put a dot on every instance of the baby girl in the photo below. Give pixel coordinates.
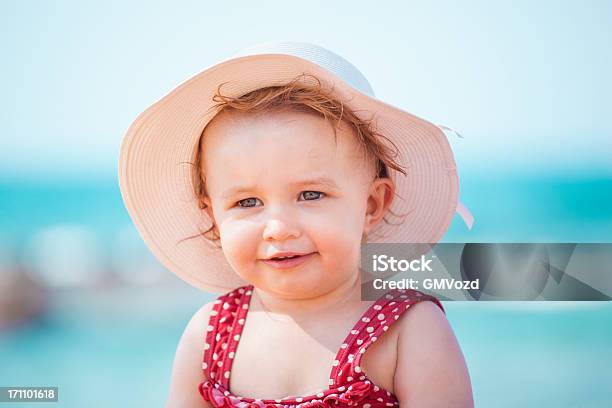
(261, 178)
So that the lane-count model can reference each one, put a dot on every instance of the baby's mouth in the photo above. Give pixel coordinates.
(282, 258)
(288, 261)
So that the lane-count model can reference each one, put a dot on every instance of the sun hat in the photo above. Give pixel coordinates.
(155, 177)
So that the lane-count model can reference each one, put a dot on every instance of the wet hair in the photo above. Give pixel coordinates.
(306, 94)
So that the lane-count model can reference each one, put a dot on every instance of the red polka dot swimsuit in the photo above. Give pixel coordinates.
(348, 384)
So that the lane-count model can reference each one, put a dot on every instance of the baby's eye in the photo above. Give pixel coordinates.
(311, 195)
(247, 202)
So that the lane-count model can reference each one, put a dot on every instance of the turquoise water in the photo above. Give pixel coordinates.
(507, 208)
(116, 348)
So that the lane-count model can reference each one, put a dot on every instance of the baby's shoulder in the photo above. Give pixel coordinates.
(202, 315)
(422, 328)
(187, 370)
(193, 339)
(422, 317)
(221, 304)
(194, 332)
(427, 345)
(417, 316)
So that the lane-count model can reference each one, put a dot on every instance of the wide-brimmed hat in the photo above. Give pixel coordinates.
(156, 179)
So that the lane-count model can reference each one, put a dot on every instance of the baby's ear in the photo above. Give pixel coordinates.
(206, 205)
(207, 208)
(380, 198)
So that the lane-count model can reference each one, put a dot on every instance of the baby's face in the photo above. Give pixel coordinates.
(277, 182)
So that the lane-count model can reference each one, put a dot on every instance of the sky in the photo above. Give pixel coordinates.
(526, 83)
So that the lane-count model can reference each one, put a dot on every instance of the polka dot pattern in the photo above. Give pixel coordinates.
(223, 333)
(349, 385)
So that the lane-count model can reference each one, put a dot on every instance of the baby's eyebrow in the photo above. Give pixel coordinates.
(316, 181)
(325, 181)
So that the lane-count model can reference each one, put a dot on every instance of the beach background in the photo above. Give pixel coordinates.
(85, 307)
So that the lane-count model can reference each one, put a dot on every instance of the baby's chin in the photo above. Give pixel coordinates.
(300, 288)
(297, 287)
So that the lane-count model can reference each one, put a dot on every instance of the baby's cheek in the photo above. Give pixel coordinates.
(239, 243)
(346, 224)
(340, 236)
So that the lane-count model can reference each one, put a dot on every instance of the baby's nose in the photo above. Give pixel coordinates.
(277, 229)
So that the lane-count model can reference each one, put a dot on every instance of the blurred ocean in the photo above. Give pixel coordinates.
(568, 207)
(111, 317)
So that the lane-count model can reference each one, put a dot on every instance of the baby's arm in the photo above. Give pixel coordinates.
(187, 370)
(430, 369)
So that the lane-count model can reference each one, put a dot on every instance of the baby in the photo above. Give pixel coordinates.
(293, 180)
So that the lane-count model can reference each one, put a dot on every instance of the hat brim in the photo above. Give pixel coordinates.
(155, 176)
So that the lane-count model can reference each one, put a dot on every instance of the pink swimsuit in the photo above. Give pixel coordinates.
(348, 384)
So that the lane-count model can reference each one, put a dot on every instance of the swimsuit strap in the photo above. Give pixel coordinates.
(373, 323)
(230, 310)
(223, 333)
